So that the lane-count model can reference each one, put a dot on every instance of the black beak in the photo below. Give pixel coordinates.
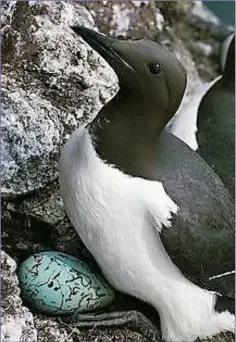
(104, 45)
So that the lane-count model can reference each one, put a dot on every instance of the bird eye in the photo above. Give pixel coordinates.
(155, 68)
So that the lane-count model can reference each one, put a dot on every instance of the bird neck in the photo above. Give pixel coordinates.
(229, 71)
(228, 80)
(130, 115)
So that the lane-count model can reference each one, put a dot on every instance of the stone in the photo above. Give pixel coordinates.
(17, 320)
(51, 82)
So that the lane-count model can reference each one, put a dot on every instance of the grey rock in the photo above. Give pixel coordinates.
(49, 330)
(51, 81)
(17, 320)
(39, 222)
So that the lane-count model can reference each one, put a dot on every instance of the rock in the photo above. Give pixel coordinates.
(49, 330)
(26, 223)
(201, 12)
(17, 320)
(223, 337)
(51, 81)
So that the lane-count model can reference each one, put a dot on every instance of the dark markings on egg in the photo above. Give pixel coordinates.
(57, 283)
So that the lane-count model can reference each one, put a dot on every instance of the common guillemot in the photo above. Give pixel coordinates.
(145, 205)
(205, 121)
(216, 123)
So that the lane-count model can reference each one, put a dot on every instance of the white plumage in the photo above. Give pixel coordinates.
(119, 218)
(184, 123)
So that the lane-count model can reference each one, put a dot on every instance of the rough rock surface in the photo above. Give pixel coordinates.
(51, 82)
(17, 320)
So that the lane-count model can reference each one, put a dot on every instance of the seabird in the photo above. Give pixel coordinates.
(152, 213)
(205, 121)
(216, 123)
(184, 122)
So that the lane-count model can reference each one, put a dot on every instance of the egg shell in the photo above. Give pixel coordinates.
(57, 283)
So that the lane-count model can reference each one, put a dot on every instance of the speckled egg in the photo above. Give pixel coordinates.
(57, 283)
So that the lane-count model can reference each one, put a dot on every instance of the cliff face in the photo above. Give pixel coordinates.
(52, 82)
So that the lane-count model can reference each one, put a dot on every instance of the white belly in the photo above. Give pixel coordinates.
(119, 219)
(110, 212)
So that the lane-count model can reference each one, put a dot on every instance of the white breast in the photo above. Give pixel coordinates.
(184, 122)
(117, 216)
(119, 219)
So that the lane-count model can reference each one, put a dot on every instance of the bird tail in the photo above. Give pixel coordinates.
(188, 313)
(220, 322)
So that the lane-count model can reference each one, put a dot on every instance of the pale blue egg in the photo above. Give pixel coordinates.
(57, 283)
